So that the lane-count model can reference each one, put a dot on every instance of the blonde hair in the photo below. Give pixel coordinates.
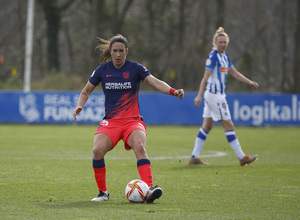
(105, 46)
(219, 32)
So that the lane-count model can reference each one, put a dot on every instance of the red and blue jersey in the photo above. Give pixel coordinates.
(120, 87)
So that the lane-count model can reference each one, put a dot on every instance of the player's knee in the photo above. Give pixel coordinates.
(140, 149)
(208, 128)
(96, 152)
(99, 152)
(229, 127)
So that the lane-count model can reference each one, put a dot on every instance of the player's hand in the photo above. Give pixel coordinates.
(254, 84)
(197, 101)
(179, 93)
(77, 111)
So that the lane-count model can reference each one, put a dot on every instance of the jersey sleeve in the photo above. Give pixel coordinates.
(143, 71)
(211, 61)
(95, 78)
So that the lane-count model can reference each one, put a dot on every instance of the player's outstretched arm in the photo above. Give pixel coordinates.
(163, 86)
(84, 96)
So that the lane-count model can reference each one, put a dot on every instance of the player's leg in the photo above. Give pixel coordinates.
(232, 139)
(235, 144)
(209, 116)
(137, 141)
(222, 114)
(200, 141)
(102, 144)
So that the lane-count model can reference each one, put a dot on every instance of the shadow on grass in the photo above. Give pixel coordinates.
(89, 204)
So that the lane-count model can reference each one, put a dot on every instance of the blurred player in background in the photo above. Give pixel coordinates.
(120, 79)
(213, 85)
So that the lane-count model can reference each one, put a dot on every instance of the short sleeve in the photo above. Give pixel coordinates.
(95, 78)
(143, 71)
(210, 61)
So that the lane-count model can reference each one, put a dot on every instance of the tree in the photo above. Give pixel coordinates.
(220, 13)
(284, 57)
(53, 19)
(119, 16)
(296, 52)
(171, 37)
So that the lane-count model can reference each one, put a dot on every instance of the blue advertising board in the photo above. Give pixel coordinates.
(156, 108)
(265, 109)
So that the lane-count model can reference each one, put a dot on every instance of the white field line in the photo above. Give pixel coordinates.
(76, 157)
(212, 154)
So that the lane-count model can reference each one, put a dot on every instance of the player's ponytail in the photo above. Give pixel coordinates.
(219, 32)
(105, 46)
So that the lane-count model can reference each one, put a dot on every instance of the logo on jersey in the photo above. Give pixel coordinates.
(208, 62)
(126, 75)
(109, 75)
(118, 85)
(93, 73)
(223, 69)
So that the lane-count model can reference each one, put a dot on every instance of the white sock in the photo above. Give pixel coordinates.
(199, 142)
(234, 143)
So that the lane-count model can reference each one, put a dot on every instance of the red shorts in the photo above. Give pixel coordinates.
(117, 129)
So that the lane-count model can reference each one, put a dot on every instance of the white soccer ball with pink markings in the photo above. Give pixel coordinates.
(137, 191)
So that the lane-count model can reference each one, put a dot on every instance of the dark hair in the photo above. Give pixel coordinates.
(106, 45)
(118, 38)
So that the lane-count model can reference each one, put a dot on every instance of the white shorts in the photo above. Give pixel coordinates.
(215, 107)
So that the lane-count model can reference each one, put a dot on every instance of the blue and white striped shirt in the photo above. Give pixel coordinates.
(219, 64)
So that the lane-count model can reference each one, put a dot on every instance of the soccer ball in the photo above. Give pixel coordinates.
(137, 191)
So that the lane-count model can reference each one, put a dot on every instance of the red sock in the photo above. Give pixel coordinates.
(100, 174)
(144, 169)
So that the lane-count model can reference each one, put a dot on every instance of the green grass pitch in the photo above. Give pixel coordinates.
(46, 173)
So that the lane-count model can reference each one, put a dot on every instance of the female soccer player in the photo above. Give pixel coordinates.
(120, 79)
(218, 64)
